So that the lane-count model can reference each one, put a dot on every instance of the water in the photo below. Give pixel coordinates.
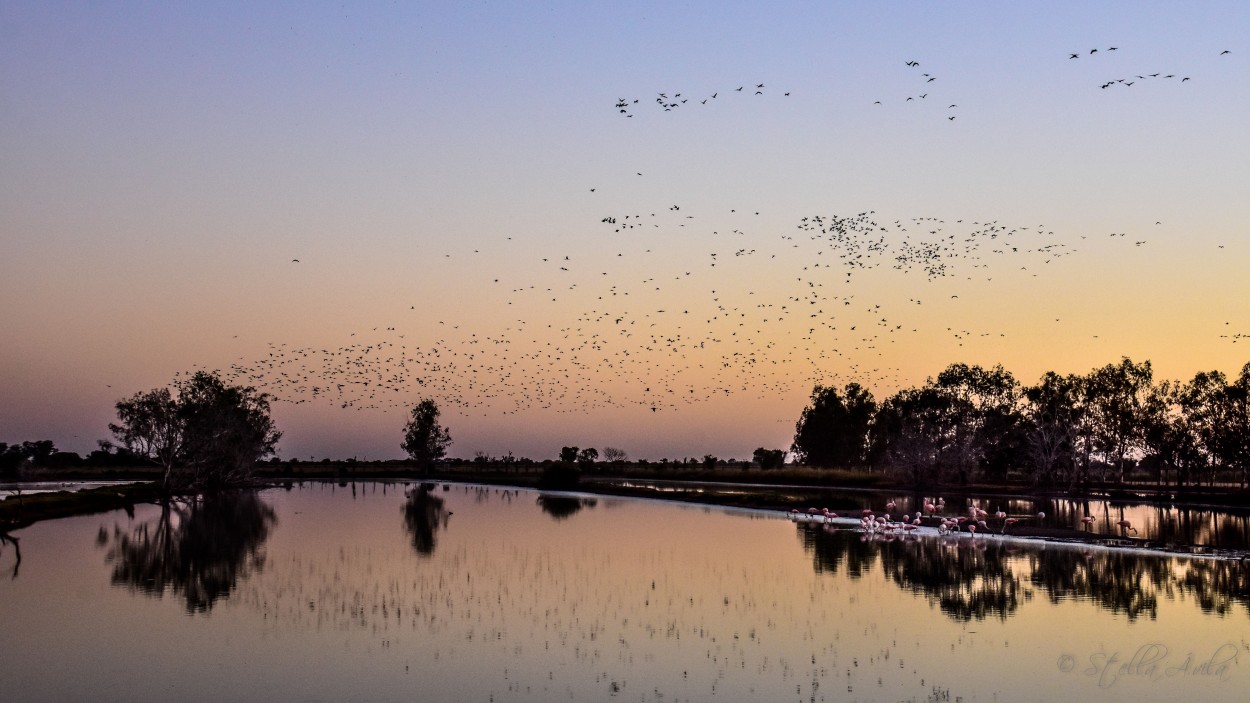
(331, 593)
(1192, 528)
(9, 489)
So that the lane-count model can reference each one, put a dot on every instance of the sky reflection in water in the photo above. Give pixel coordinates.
(363, 593)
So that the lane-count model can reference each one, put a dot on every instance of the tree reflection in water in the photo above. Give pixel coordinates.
(198, 550)
(423, 515)
(6, 538)
(968, 581)
(563, 507)
(1119, 582)
(972, 579)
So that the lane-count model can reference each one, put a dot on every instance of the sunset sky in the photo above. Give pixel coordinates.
(476, 220)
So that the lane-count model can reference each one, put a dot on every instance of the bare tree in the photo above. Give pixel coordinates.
(613, 455)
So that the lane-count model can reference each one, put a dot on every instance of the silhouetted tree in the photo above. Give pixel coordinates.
(1233, 445)
(982, 404)
(833, 430)
(615, 456)
(25, 456)
(209, 436)
(225, 431)
(568, 455)
(910, 435)
(1054, 414)
(11, 457)
(1178, 422)
(587, 457)
(975, 421)
(151, 426)
(1118, 395)
(424, 439)
(769, 458)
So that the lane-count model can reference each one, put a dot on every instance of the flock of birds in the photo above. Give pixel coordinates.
(667, 103)
(1131, 80)
(759, 314)
(678, 304)
(924, 82)
(935, 517)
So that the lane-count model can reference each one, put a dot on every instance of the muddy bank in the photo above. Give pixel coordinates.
(21, 511)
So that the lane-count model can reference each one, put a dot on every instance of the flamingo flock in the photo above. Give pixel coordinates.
(972, 521)
(889, 522)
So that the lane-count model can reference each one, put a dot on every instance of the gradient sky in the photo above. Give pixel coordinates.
(431, 165)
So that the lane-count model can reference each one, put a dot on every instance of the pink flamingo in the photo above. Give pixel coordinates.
(1127, 526)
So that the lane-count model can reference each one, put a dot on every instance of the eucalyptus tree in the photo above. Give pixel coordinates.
(984, 416)
(1118, 394)
(1234, 445)
(1054, 412)
(911, 435)
(1173, 428)
(833, 430)
(1217, 413)
(1205, 411)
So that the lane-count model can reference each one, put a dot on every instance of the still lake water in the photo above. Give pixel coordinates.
(470, 593)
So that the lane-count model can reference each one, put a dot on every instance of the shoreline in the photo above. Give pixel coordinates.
(23, 511)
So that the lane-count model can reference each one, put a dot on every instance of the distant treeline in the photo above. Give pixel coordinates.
(18, 460)
(1112, 425)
